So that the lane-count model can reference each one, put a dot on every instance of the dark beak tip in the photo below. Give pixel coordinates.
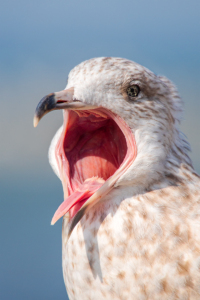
(46, 104)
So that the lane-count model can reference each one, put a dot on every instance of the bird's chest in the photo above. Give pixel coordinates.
(94, 255)
(112, 250)
(128, 250)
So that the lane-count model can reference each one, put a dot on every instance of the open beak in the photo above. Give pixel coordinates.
(92, 190)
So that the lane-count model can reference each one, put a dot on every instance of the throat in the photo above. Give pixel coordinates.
(91, 148)
(95, 153)
(95, 149)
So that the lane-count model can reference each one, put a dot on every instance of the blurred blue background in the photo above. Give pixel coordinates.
(41, 41)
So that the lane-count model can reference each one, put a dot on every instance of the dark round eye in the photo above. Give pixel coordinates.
(133, 90)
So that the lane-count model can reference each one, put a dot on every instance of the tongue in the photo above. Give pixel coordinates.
(74, 202)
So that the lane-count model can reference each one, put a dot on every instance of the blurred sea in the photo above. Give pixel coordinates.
(30, 250)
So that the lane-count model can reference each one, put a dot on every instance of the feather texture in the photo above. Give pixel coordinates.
(143, 240)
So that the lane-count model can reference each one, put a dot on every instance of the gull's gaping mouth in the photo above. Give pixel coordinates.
(94, 150)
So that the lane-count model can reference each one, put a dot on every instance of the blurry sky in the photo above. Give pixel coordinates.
(40, 42)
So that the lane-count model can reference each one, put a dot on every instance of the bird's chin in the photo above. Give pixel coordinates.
(94, 150)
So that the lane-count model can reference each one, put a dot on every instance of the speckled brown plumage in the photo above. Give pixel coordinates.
(143, 240)
(144, 247)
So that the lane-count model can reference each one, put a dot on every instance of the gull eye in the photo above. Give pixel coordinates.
(133, 90)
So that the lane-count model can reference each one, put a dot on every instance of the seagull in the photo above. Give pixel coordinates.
(131, 209)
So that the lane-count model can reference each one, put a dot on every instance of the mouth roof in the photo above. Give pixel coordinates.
(90, 150)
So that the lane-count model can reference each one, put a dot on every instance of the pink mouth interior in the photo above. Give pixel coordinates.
(90, 150)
